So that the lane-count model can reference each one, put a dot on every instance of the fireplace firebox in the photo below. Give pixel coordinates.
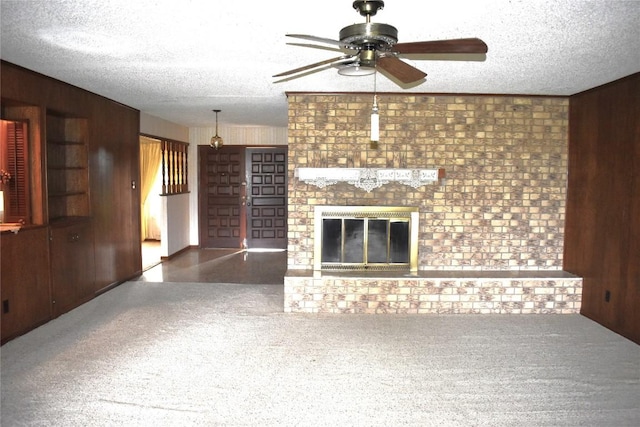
(360, 238)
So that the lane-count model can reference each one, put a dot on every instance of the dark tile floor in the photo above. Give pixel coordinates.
(221, 266)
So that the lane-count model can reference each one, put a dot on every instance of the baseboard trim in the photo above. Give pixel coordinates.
(185, 249)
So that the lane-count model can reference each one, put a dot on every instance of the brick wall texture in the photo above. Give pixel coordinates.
(503, 205)
(488, 295)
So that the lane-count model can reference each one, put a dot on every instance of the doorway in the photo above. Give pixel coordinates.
(150, 208)
(242, 197)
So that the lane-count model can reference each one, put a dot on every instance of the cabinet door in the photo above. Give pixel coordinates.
(26, 298)
(72, 265)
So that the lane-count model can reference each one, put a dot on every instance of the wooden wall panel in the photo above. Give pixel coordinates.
(631, 324)
(113, 166)
(113, 131)
(602, 212)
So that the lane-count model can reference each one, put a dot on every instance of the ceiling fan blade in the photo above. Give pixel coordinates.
(323, 40)
(400, 70)
(310, 66)
(315, 46)
(472, 45)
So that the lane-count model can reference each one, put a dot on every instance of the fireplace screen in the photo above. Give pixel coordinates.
(366, 237)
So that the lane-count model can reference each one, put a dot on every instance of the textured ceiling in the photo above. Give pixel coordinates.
(179, 59)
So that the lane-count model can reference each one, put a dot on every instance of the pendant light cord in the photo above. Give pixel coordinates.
(375, 118)
(375, 88)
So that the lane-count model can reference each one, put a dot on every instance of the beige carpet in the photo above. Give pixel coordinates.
(197, 354)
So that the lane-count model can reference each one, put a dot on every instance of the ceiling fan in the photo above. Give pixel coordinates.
(370, 46)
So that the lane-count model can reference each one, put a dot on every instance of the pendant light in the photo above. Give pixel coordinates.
(216, 141)
(375, 121)
(375, 117)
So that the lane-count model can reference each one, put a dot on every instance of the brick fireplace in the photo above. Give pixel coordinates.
(490, 240)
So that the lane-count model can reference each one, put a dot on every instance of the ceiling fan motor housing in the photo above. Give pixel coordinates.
(381, 36)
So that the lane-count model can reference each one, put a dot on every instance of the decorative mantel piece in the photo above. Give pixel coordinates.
(369, 179)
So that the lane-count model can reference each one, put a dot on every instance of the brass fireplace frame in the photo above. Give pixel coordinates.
(372, 212)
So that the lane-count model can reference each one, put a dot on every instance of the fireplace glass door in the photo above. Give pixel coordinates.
(356, 238)
(365, 242)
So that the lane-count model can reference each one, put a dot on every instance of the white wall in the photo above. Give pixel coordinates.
(174, 224)
(151, 125)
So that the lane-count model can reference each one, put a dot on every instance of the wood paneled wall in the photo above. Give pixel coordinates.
(114, 171)
(603, 203)
(113, 165)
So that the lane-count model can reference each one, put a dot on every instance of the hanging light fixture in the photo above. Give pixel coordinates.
(375, 121)
(375, 117)
(216, 141)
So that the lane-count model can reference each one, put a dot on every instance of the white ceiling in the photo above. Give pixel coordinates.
(180, 59)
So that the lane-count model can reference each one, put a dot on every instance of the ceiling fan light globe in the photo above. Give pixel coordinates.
(356, 70)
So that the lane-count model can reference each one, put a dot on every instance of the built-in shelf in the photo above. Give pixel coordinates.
(67, 167)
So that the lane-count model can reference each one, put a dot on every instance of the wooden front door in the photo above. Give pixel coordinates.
(266, 198)
(242, 197)
(221, 197)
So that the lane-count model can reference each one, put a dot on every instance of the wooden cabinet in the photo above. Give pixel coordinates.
(71, 232)
(83, 167)
(72, 264)
(26, 296)
(67, 171)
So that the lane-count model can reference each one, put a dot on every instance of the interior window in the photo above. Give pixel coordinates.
(14, 176)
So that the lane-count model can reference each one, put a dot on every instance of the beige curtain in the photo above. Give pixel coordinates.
(150, 158)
